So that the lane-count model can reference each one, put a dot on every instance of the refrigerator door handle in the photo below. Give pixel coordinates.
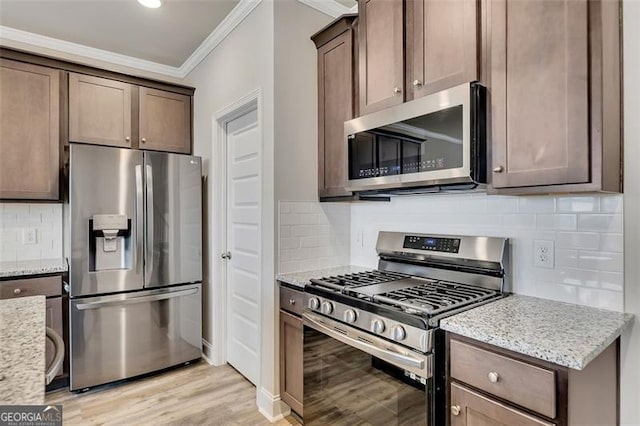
(141, 299)
(138, 261)
(149, 252)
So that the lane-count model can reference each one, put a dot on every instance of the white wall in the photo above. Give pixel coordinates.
(45, 218)
(630, 347)
(241, 64)
(296, 104)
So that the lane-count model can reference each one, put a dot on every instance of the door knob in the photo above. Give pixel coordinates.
(226, 255)
(417, 83)
(498, 169)
(455, 410)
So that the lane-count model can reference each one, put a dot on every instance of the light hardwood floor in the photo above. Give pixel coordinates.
(198, 394)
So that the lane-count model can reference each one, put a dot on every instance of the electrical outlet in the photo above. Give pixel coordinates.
(543, 254)
(29, 236)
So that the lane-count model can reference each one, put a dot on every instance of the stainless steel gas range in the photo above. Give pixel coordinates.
(373, 352)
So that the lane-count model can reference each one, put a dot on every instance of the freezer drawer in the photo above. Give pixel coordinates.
(122, 336)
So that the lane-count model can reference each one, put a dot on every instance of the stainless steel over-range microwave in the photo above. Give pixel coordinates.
(433, 143)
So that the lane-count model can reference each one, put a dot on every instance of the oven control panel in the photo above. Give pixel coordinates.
(447, 245)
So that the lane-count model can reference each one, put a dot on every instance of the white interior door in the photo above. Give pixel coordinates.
(243, 244)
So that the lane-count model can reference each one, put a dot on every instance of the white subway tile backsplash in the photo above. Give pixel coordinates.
(313, 235)
(587, 231)
(16, 218)
(575, 240)
(601, 223)
(563, 222)
(601, 261)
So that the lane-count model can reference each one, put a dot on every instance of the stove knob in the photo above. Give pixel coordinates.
(314, 303)
(398, 333)
(350, 316)
(377, 326)
(327, 308)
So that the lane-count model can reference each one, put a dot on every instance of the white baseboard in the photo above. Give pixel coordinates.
(271, 406)
(207, 350)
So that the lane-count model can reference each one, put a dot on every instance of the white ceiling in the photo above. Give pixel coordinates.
(167, 35)
(170, 40)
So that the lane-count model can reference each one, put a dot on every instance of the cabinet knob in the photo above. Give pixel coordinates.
(127, 139)
(143, 140)
(396, 90)
(455, 410)
(493, 377)
(417, 83)
(498, 169)
(292, 301)
(17, 291)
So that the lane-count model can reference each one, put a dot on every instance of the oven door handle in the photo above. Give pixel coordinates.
(400, 360)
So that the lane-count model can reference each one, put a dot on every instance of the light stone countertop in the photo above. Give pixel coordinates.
(22, 350)
(32, 267)
(562, 333)
(300, 279)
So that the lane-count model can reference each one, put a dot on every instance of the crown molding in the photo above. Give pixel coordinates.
(12, 34)
(228, 24)
(330, 7)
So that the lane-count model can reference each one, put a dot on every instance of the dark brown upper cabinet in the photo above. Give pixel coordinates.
(107, 112)
(165, 121)
(380, 54)
(555, 95)
(99, 111)
(442, 46)
(336, 102)
(29, 131)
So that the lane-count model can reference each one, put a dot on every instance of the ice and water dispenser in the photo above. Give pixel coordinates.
(110, 242)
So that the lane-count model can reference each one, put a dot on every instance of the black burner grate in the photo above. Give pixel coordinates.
(434, 297)
(359, 279)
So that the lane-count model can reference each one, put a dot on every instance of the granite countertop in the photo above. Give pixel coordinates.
(32, 267)
(22, 350)
(300, 279)
(561, 333)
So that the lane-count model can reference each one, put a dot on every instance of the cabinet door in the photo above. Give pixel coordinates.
(29, 131)
(442, 45)
(291, 361)
(335, 106)
(99, 111)
(381, 54)
(165, 121)
(539, 92)
(469, 408)
(54, 321)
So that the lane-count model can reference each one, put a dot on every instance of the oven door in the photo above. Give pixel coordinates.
(352, 377)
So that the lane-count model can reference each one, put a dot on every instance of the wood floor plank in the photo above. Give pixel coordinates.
(198, 394)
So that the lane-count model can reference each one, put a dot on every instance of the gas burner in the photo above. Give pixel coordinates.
(434, 297)
(346, 282)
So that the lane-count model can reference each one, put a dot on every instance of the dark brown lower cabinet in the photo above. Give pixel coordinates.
(490, 386)
(291, 361)
(474, 409)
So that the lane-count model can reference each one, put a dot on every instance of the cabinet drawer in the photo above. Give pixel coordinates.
(524, 384)
(42, 286)
(291, 300)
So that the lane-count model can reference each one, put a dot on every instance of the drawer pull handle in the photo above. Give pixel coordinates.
(455, 410)
(292, 301)
(493, 377)
(17, 291)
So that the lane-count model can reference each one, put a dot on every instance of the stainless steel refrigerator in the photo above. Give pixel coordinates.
(135, 262)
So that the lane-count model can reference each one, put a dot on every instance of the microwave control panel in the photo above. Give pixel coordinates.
(447, 245)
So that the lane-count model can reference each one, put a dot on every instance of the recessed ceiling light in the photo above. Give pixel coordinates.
(153, 4)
